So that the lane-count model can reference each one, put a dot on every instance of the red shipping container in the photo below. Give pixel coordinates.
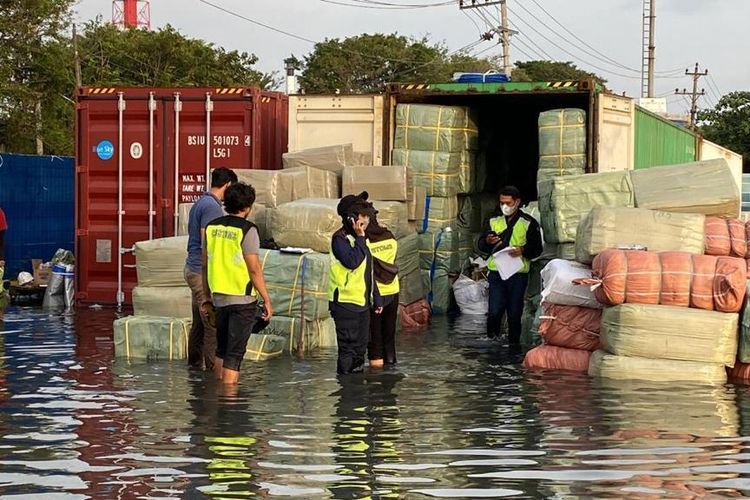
(140, 152)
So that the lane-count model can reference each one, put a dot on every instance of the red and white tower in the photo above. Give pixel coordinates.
(131, 14)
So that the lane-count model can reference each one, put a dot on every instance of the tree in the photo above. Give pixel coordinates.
(728, 124)
(545, 71)
(29, 72)
(40, 68)
(365, 63)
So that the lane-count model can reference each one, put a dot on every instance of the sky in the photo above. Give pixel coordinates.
(687, 31)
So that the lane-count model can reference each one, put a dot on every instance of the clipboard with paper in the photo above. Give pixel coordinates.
(506, 264)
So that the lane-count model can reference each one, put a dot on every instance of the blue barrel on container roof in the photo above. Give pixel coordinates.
(37, 194)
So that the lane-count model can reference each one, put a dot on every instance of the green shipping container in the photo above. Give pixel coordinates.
(660, 142)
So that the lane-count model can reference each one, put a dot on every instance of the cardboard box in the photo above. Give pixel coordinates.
(382, 183)
(42, 273)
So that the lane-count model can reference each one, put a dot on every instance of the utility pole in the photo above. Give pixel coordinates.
(77, 58)
(695, 94)
(504, 30)
(649, 48)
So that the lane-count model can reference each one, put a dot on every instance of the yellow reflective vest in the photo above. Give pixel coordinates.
(517, 238)
(351, 285)
(386, 251)
(227, 271)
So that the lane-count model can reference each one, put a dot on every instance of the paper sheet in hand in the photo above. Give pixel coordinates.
(507, 265)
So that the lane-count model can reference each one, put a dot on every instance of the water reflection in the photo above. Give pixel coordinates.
(458, 418)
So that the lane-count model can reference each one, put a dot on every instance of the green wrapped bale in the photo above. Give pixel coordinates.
(440, 213)
(163, 301)
(307, 335)
(440, 174)
(290, 276)
(562, 143)
(744, 341)
(151, 337)
(448, 250)
(564, 201)
(261, 347)
(439, 289)
(412, 288)
(428, 127)
(407, 260)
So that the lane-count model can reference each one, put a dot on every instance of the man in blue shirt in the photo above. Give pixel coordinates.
(202, 339)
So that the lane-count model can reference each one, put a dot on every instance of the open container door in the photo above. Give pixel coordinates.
(615, 140)
(328, 120)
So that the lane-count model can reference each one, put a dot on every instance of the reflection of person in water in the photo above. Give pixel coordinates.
(365, 432)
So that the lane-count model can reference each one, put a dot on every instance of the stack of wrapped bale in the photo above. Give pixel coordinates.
(567, 320)
(161, 304)
(298, 286)
(562, 143)
(564, 201)
(442, 255)
(672, 315)
(311, 222)
(412, 295)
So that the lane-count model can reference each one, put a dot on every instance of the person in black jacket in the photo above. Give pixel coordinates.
(352, 290)
(517, 233)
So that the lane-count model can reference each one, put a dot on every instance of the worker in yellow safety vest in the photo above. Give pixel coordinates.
(233, 279)
(352, 290)
(512, 240)
(383, 245)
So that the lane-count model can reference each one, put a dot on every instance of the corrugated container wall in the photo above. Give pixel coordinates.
(36, 194)
(156, 147)
(660, 142)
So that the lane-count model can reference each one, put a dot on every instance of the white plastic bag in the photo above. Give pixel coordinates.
(472, 296)
(557, 280)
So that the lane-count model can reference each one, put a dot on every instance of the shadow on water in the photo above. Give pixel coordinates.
(459, 417)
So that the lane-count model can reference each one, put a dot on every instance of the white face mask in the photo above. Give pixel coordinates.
(508, 210)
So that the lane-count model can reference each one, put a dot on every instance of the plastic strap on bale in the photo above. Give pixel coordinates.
(426, 219)
(433, 266)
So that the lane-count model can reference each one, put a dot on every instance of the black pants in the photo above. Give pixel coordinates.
(352, 334)
(383, 333)
(506, 297)
(234, 324)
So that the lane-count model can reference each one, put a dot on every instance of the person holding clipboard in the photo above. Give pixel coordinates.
(512, 240)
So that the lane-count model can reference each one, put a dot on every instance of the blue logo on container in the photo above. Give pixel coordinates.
(105, 150)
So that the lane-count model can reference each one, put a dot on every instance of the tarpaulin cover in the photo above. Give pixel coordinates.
(611, 366)
(161, 262)
(570, 326)
(562, 143)
(564, 201)
(548, 357)
(261, 346)
(610, 227)
(704, 187)
(440, 173)
(435, 128)
(670, 278)
(333, 158)
(290, 276)
(170, 302)
(439, 213)
(307, 335)
(726, 237)
(668, 332)
(381, 183)
(558, 287)
(150, 337)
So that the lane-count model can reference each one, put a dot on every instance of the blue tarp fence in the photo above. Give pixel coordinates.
(37, 194)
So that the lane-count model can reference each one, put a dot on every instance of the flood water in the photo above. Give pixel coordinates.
(459, 418)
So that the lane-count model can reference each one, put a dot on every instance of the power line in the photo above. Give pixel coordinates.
(479, 30)
(387, 6)
(302, 38)
(695, 94)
